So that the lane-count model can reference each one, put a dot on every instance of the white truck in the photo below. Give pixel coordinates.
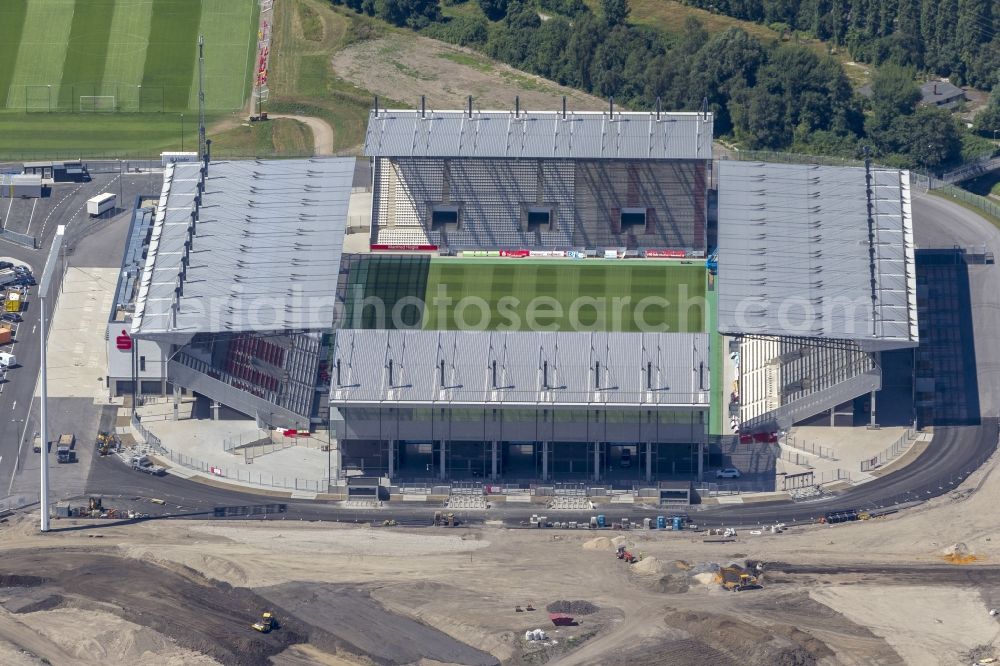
(144, 464)
(101, 204)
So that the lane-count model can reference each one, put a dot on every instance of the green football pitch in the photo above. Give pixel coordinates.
(526, 294)
(125, 55)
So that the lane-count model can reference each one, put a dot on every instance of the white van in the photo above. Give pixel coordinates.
(7, 360)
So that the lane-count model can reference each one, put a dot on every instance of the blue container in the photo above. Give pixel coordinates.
(661, 523)
(678, 523)
(600, 520)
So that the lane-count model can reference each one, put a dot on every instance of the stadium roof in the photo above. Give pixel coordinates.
(260, 253)
(539, 134)
(799, 257)
(379, 367)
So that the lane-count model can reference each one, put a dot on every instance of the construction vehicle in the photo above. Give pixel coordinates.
(624, 554)
(444, 519)
(65, 448)
(267, 623)
(736, 578)
(106, 442)
(144, 464)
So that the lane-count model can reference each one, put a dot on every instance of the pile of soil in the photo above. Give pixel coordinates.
(671, 584)
(959, 553)
(706, 578)
(195, 613)
(647, 565)
(576, 607)
(600, 543)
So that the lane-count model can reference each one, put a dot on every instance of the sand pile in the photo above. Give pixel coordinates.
(575, 607)
(959, 553)
(600, 543)
(706, 578)
(619, 541)
(647, 565)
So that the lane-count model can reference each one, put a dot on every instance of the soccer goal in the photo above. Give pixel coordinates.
(97, 104)
(266, 5)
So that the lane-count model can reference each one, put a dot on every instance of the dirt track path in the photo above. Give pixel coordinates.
(321, 130)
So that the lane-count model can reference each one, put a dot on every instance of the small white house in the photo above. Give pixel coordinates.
(101, 204)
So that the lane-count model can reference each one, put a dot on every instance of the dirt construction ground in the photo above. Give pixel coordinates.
(896, 590)
(404, 67)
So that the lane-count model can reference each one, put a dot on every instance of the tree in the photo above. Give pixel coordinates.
(726, 65)
(929, 138)
(894, 93)
(414, 14)
(615, 12)
(987, 121)
(494, 9)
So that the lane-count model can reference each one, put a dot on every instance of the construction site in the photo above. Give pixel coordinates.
(913, 587)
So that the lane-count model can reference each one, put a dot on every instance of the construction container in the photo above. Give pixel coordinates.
(13, 302)
(101, 204)
(5, 336)
(661, 522)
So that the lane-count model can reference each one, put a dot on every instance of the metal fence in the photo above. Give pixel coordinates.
(23, 240)
(890, 452)
(262, 479)
(974, 200)
(808, 447)
(15, 502)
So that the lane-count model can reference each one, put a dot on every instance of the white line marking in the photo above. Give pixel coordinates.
(13, 472)
(14, 406)
(9, 206)
(32, 215)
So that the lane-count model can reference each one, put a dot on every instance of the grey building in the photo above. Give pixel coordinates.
(238, 285)
(492, 180)
(816, 279)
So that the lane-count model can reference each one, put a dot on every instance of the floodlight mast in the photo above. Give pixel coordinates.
(201, 94)
(43, 290)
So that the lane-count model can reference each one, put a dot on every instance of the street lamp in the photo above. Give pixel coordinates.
(43, 289)
(995, 134)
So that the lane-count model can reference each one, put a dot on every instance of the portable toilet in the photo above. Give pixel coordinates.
(601, 522)
(678, 523)
(647, 523)
(661, 522)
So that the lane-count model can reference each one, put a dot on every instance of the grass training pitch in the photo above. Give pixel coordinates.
(527, 294)
(124, 55)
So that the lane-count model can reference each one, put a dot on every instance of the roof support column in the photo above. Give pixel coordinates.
(649, 462)
(597, 461)
(442, 448)
(392, 458)
(493, 468)
(701, 460)
(545, 461)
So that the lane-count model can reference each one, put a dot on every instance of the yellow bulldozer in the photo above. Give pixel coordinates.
(736, 579)
(266, 624)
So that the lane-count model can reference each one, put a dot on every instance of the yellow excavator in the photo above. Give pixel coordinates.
(266, 624)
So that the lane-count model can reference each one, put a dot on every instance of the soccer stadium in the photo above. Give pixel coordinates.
(540, 298)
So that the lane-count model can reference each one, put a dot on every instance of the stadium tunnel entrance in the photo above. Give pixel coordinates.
(520, 461)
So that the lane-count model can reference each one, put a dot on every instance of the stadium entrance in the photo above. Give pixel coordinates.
(521, 462)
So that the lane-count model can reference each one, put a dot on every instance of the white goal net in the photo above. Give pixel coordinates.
(97, 103)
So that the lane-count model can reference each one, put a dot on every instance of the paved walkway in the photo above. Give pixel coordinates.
(200, 444)
(848, 446)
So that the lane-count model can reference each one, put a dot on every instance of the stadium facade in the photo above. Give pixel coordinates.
(533, 302)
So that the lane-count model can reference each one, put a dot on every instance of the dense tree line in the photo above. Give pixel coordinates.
(766, 96)
(955, 38)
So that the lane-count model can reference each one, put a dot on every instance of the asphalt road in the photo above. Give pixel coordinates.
(89, 243)
(956, 452)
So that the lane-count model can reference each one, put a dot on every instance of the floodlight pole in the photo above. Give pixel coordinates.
(182, 132)
(43, 289)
